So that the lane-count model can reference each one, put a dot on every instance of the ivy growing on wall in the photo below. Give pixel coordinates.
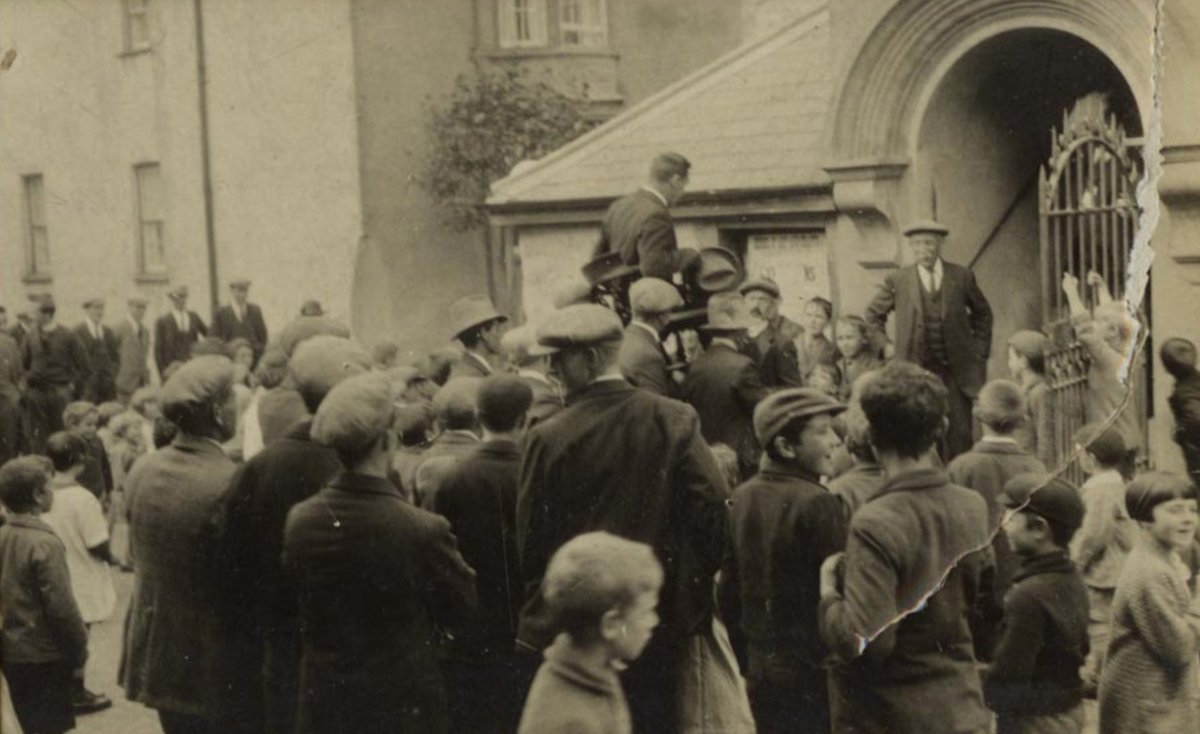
(491, 121)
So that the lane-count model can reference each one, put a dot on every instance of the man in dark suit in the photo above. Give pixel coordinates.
(479, 328)
(133, 348)
(639, 226)
(943, 323)
(774, 336)
(100, 346)
(56, 368)
(241, 319)
(176, 331)
(724, 385)
(634, 464)
(643, 360)
(479, 497)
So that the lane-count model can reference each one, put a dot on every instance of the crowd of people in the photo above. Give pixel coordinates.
(555, 528)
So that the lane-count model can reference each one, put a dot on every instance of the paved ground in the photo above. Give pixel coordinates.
(124, 717)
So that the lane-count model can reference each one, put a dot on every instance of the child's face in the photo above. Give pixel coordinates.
(849, 340)
(823, 379)
(815, 319)
(1174, 523)
(1024, 533)
(1017, 364)
(816, 444)
(244, 356)
(87, 424)
(633, 626)
(45, 497)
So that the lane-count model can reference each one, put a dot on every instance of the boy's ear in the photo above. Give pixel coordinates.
(611, 624)
(783, 447)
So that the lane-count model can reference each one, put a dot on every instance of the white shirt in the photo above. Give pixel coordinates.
(93, 328)
(487, 367)
(657, 195)
(181, 320)
(649, 328)
(931, 281)
(137, 328)
(239, 311)
(78, 521)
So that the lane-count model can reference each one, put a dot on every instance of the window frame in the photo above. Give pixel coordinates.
(598, 28)
(141, 222)
(507, 25)
(36, 268)
(139, 9)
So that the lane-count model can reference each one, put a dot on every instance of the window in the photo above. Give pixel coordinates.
(151, 257)
(522, 23)
(583, 23)
(137, 25)
(37, 244)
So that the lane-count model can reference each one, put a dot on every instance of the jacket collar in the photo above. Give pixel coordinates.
(773, 467)
(568, 665)
(914, 480)
(32, 522)
(197, 445)
(984, 446)
(349, 481)
(301, 430)
(600, 389)
(500, 447)
(654, 195)
(1053, 562)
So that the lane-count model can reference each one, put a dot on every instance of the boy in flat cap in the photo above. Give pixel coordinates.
(773, 333)
(133, 348)
(783, 525)
(56, 369)
(260, 495)
(898, 608)
(1033, 683)
(638, 226)
(634, 464)
(241, 319)
(643, 360)
(479, 328)
(100, 346)
(176, 331)
(943, 323)
(458, 426)
(374, 577)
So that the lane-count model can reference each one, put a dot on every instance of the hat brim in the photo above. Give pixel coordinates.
(477, 323)
(538, 350)
(939, 231)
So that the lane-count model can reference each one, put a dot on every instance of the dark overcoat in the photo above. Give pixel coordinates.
(1185, 408)
(279, 411)
(133, 346)
(546, 400)
(966, 319)
(779, 359)
(643, 362)
(638, 226)
(910, 552)
(227, 326)
(102, 357)
(171, 345)
(724, 386)
(182, 645)
(373, 575)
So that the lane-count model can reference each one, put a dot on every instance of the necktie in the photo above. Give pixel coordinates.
(930, 280)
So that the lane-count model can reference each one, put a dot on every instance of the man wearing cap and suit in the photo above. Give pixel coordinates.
(240, 319)
(774, 335)
(56, 368)
(100, 346)
(643, 360)
(631, 463)
(176, 331)
(454, 410)
(724, 385)
(479, 328)
(943, 323)
(532, 364)
(638, 226)
(133, 348)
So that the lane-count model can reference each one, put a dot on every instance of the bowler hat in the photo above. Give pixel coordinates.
(581, 325)
(605, 268)
(470, 311)
(653, 295)
(764, 284)
(926, 226)
(720, 270)
(727, 312)
(779, 408)
(1046, 496)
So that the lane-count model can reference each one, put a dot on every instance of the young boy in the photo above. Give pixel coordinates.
(82, 418)
(603, 590)
(782, 526)
(992, 461)
(42, 638)
(1179, 360)
(78, 520)
(1106, 537)
(1027, 365)
(863, 479)
(1033, 683)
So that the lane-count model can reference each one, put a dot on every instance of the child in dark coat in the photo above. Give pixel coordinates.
(1033, 684)
(783, 524)
(992, 461)
(1179, 360)
(603, 591)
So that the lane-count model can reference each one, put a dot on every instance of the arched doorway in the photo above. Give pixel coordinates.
(985, 133)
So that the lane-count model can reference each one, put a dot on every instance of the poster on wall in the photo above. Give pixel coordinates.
(797, 261)
(551, 259)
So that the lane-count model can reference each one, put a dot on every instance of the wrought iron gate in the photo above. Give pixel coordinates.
(1088, 215)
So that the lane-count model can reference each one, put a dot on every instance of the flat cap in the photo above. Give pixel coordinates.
(926, 226)
(502, 398)
(581, 325)
(654, 295)
(412, 417)
(606, 268)
(322, 362)
(306, 327)
(95, 301)
(778, 409)
(1046, 496)
(727, 312)
(521, 345)
(240, 283)
(178, 291)
(470, 311)
(355, 413)
(1029, 343)
(764, 284)
(573, 291)
(455, 401)
(198, 381)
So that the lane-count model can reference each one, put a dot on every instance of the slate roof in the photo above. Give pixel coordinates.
(752, 119)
